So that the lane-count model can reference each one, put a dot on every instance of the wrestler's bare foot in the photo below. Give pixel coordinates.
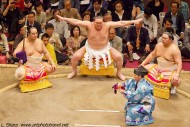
(120, 76)
(72, 74)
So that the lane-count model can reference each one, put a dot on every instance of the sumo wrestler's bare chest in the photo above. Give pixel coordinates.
(98, 35)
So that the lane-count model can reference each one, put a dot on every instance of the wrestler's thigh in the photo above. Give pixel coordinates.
(115, 54)
(79, 54)
(48, 67)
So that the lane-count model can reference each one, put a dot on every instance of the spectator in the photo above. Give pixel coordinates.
(150, 22)
(27, 7)
(74, 3)
(177, 18)
(14, 17)
(32, 23)
(97, 9)
(40, 14)
(127, 6)
(167, 23)
(116, 42)
(120, 13)
(74, 41)
(184, 9)
(104, 4)
(69, 12)
(56, 42)
(4, 47)
(46, 6)
(60, 27)
(138, 41)
(20, 36)
(157, 6)
(85, 17)
(138, 6)
(107, 17)
(49, 47)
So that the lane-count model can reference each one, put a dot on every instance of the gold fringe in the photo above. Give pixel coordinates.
(160, 90)
(32, 86)
(158, 84)
(109, 71)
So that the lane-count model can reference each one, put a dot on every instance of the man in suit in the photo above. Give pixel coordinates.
(74, 3)
(32, 23)
(168, 23)
(46, 4)
(97, 10)
(177, 18)
(138, 41)
(150, 22)
(70, 12)
(116, 42)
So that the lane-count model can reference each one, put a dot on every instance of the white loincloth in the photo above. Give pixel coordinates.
(97, 54)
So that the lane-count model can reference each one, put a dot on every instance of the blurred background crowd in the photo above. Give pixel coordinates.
(62, 39)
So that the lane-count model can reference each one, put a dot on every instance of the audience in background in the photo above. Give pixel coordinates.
(20, 36)
(74, 41)
(97, 10)
(60, 27)
(85, 17)
(116, 42)
(177, 18)
(120, 13)
(69, 12)
(56, 42)
(184, 9)
(157, 6)
(138, 41)
(32, 23)
(4, 47)
(138, 6)
(40, 15)
(49, 47)
(150, 22)
(167, 23)
(13, 15)
(107, 17)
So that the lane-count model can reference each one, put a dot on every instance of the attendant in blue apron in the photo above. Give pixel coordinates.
(139, 93)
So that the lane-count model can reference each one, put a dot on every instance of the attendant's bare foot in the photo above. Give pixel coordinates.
(72, 74)
(120, 76)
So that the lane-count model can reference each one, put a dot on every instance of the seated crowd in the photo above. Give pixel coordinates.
(62, 39)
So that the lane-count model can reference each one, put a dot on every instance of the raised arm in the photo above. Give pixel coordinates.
(74, 21)
(123, 23)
